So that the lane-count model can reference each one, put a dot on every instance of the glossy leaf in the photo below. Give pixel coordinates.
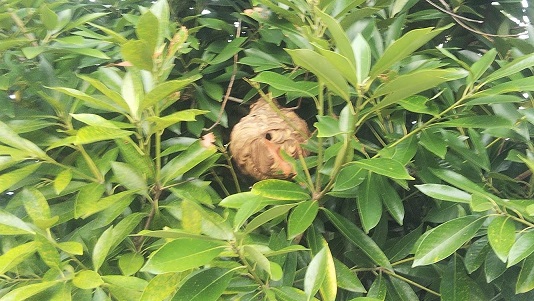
(161, 286)
(102, 248)
(347, 279)
(477, 122)
(513, 67)
(87, 279)
(195, 154)
(138, 53)
(280, 190)
(323, 69)
(412, 83)
(445, 239)
(454, 285)
(383, 166)
(165, 89)
(27, 291)
(358, 238)
(12, 225)
(267, 216)
(14, 256)
(301, 218)
(183, 254)
(315, 274)
(525, 281)
(369, 202)
(206, 285)
(522, 248)
(445, 193)
(283, 83)
(501, 236)
(129, 177)
(401, 48)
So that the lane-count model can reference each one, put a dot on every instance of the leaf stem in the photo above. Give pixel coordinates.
(392, 274)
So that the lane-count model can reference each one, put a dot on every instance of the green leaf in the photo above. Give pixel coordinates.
(245, 211)
(62, 180)
(315, 273)
(255, 257)
(163, 90)
(48, 17)
(161, 286)
(267, 216)
(329, 286)
(129, 177)
(404, 245)
(138, 53)
(342, 65)
(501, 236)
(322, 68)
(338, 34)
(102, 248)
(90, 100)
(90, 134)
(206, 285)
(229, 50)
(16, 255)
(401, 48)
(112, 95)
(9, 137)
(349, 177)
(433, 142)
(358, 238)
(12, 225)
(187, 160)
(11, 178)
(27, 291)
(480, 66)
(161, 123)
(87, 279)
(369, 203)
(134, 156)
(378, 289)
(88, 206)
(183, 254)
(147, 30)
(362, 56)
(445, 193)
(130, 263)
(522, 248)
(454, 285)
(301, 218)
(35, 204)
(525, 281)
(284, 83)
(392, 201)
(513, 67)
(445, 239)
(280, 190)
(384, 166)
(71, 247)
(412, 83)
(48, 252)
(238, 200)
(327, 126)
(400, 290)
(347, 279)
(485, 122)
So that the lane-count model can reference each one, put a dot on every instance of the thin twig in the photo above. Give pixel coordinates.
(458, 19)
(230, 84)
(448, 12)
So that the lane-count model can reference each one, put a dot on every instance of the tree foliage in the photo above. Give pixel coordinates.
(116, 182)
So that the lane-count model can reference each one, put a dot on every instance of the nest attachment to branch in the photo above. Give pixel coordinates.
(258, 141)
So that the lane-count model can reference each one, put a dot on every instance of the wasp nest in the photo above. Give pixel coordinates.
(257, 141)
